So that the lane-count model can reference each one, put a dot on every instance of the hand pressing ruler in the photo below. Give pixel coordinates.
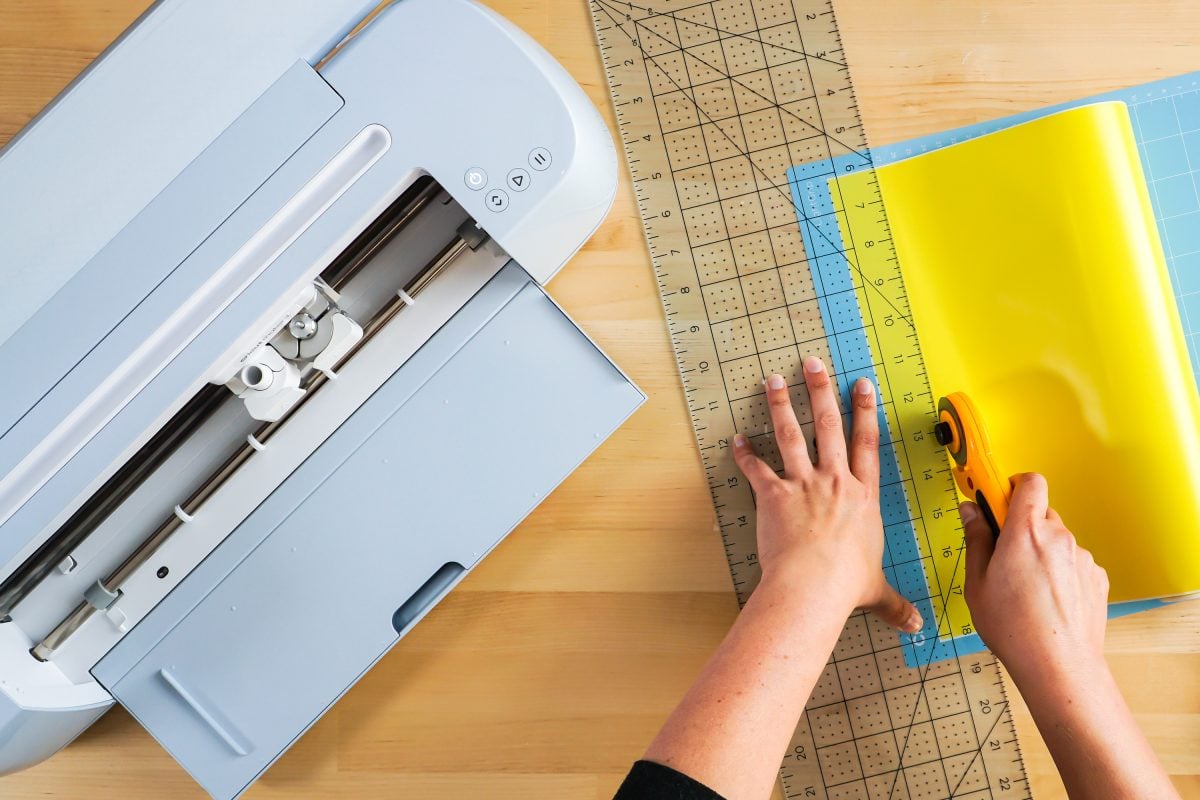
(729, 110)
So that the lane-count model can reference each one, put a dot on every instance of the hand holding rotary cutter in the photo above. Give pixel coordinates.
(960, 430)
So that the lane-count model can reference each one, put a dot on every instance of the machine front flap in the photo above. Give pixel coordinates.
(360, 541)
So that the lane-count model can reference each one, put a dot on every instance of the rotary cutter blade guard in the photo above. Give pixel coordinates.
(961, 431)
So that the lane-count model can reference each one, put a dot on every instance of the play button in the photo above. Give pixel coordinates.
(518, 180)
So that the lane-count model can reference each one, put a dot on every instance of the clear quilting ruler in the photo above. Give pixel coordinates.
(730, 111)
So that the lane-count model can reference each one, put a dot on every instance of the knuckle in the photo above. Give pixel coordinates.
(895, 606)
(867, 439)
(776, 490)
(779, 399)
(1036, 482)
(1027, 524)
(789, 434)
(1069, 551)
(752, 472)
(842, 484)
(1051, 542)
(829, 421)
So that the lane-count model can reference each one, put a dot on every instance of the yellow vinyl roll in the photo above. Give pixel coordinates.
(1038, 286)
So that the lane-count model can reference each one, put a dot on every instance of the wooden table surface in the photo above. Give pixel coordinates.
(548, 670)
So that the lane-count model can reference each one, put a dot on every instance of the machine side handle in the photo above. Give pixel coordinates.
(427, 596)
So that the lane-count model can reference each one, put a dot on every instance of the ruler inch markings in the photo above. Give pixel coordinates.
(663, 274)
(665, 64)
(650, 59)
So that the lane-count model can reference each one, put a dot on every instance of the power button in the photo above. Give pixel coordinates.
(475, 179)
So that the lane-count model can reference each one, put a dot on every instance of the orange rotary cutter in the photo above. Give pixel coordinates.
(960, 429)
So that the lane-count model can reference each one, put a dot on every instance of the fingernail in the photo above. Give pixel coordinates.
(776, 382)
(814, 365)
(739, 441)
(864, 387)
(914, 623)
(968, 511)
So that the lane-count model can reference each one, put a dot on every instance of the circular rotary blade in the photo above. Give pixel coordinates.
(953, 431)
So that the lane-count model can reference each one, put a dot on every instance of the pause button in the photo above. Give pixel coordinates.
(539, 159)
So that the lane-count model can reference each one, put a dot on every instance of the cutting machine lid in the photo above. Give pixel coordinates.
(134, 120)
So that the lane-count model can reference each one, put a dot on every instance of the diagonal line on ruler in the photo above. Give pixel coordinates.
(1007, 709)
(749, 157)
(641, 24)
(916, 503)
(601, 4)
(921, 693)
(679, 201)
(853, 262)
(679, 10)
(1003, 715)
(945, 598)
(675, 15)
(650, 58)
(837, 249)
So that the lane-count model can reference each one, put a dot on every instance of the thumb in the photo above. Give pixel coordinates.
(979, 540)
(893, 609)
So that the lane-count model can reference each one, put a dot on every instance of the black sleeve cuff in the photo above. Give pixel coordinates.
(650, 781)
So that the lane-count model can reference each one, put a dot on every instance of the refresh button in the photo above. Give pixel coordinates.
(475, 179)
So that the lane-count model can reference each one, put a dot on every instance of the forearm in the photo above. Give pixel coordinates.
(1091, 734)
(732, 728)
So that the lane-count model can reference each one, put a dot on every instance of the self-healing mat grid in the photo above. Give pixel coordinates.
(1166, 120)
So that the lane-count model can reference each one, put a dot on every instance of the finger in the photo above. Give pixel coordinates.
(893, 609)
(864, 438)
(979, 540)
(827, 419)
(1031, 498)
(754, 468)
(788, 434)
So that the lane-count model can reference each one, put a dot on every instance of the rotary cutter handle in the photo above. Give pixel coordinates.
(960, 430)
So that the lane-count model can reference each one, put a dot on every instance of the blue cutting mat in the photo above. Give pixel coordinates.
(1166, 121)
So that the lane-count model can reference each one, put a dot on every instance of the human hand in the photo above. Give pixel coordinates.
(1039, 601)
(819, 524)
(1037, 598)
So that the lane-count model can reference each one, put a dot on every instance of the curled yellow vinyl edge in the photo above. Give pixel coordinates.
(1037, 285)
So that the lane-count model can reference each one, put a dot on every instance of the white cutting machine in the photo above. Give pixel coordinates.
(272, 298)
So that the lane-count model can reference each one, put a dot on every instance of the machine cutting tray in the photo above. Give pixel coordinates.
(276, 326)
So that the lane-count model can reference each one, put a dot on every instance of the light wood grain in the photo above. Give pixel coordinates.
(548, 670)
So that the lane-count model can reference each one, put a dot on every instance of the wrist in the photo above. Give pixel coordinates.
(1055, 684)
(805, 588)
